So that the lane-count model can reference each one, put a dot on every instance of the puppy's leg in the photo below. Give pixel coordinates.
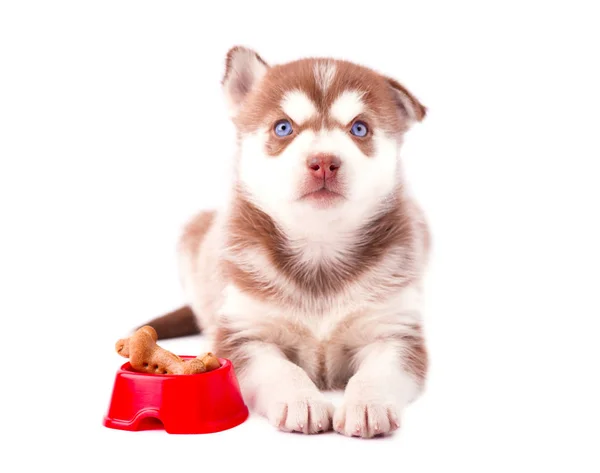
(280, 390)
(391, 365)
(377, 393)
(255, 338)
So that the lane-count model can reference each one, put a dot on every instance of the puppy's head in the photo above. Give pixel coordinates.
(318, 137)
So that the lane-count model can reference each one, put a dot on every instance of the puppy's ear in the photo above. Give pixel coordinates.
(409, 106)
(243, 70)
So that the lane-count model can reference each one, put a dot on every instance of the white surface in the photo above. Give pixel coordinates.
(113, 132)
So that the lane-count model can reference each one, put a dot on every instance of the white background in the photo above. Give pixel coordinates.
(113, 132)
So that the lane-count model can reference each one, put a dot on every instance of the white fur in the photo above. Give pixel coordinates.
(284, 393)
(376, 395)
(381, 388)
(347, 106)
(298, 106)
(324, 72)
(274, 386)
(236, 304)
(275, 182)
(410, 299)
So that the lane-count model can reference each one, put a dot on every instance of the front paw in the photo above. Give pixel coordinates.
(361, 416)
(306, 412)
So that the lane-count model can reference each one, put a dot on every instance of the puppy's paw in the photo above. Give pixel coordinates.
(366, 417)
(308, 412)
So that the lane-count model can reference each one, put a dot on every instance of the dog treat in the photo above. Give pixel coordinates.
(146, 356)
(210, 361)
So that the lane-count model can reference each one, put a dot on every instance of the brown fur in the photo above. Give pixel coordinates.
(420, 109)
(276, 144)
(321, 358)
(416, 359)
(261, 106)
(250, 227)
(193, 233)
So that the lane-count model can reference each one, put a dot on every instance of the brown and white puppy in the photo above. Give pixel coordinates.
(310, 276)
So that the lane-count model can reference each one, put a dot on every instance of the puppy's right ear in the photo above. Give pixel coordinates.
(243, 70)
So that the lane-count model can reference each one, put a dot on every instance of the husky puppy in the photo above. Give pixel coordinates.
(310, 276)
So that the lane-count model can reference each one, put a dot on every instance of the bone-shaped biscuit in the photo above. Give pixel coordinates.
(145, 355)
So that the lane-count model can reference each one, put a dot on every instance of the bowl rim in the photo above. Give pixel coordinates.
(125, 368)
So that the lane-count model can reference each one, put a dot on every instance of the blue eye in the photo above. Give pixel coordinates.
(283, 128)
(359, 129)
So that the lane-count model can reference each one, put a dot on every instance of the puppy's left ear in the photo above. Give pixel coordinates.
(244, 68)
(410, 107)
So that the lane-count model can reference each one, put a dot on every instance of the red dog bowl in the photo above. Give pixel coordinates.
(183, 404)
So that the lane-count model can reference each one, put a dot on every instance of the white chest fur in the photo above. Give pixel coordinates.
(242, 311)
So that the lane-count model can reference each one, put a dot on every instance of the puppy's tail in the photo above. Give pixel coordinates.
(178, 323)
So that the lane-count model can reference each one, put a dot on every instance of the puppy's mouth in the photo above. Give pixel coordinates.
(322, 196)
